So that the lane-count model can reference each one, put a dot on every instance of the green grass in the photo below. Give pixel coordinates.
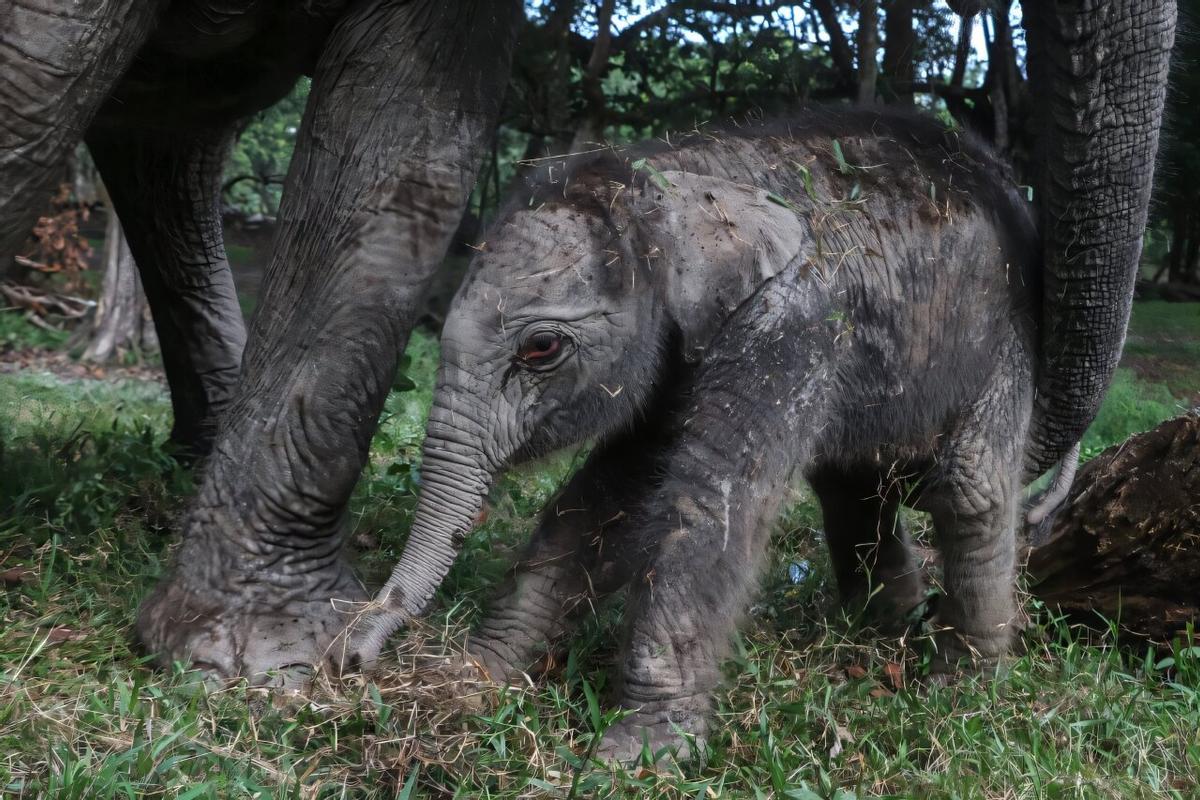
(809, 710)
(16, 332)
(239, 254)
(1163, 346)
(1159, 377)
(1131, 406)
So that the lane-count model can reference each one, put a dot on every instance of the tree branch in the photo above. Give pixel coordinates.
(676, 10)
(593, 90)
(839, 47)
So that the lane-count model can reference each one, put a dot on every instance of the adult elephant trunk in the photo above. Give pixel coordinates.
(456, 470)
(1100, 69)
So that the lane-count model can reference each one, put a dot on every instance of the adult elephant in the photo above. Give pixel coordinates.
(405, 94)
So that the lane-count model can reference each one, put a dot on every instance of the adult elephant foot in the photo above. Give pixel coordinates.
(237, 628)
(496, 661)
(678, 735)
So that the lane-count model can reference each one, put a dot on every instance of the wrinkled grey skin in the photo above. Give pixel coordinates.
(920, 345)
(405, 95)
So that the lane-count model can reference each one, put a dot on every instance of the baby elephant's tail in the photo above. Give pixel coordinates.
(1042, 509)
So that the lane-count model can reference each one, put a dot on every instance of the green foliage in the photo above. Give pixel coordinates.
(259, 162)
(1131, 406)
(656, 177)
(16, 332)
(1160, 376)
(76, 454)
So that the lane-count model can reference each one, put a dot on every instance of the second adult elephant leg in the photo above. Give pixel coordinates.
(404, 98)
(166, 188)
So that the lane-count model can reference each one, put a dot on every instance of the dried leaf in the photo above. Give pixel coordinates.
(656, 177)
(809, 189)
(60, 634)
(895, 674)
(840, 736)
(843, 166)
(16, 575)
(783, 201)
(856, 672)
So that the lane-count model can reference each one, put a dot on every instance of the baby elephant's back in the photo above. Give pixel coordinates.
(930, 257)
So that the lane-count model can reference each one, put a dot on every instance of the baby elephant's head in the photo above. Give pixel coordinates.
(554, 338)
(550, 340)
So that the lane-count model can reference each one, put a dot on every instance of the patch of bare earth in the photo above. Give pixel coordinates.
(62, 365)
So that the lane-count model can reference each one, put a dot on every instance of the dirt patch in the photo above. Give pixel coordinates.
(63, 366)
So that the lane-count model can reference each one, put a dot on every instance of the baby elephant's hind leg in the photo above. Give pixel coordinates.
(868, 545)
(974, 505)
(576, 554)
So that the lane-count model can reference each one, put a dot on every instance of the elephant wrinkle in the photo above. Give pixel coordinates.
(372, 200)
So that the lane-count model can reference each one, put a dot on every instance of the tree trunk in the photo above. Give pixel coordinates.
(122, 321)
(591, 130)
(839, 49)
(962, 52)
(1181, 236)
(1191, 260)
(558, 89)
(1002, 74)
(955, 99)
(1127, 545)
(899, 42)
(868, 48)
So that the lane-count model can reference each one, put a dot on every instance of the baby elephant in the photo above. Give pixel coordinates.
(848, 294)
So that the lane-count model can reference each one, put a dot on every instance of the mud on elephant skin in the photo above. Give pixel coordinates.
(404, 97)
(718, 314)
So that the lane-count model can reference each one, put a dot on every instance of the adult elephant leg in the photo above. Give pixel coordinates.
(166, 188)
(404, 97)
(58, 61)
(580, 551)
(760, 403)
(869, 547)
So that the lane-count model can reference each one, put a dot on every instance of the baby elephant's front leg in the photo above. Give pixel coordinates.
(759, 400)
(686, 601)
(576, 554)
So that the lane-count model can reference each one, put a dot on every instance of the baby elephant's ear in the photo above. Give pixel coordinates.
(711, 243)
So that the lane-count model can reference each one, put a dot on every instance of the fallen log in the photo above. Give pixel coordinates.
(1126, 546)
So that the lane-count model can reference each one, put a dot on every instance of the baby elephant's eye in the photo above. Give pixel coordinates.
(540, 348)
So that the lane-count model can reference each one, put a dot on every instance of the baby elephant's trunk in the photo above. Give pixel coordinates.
(456, 473)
